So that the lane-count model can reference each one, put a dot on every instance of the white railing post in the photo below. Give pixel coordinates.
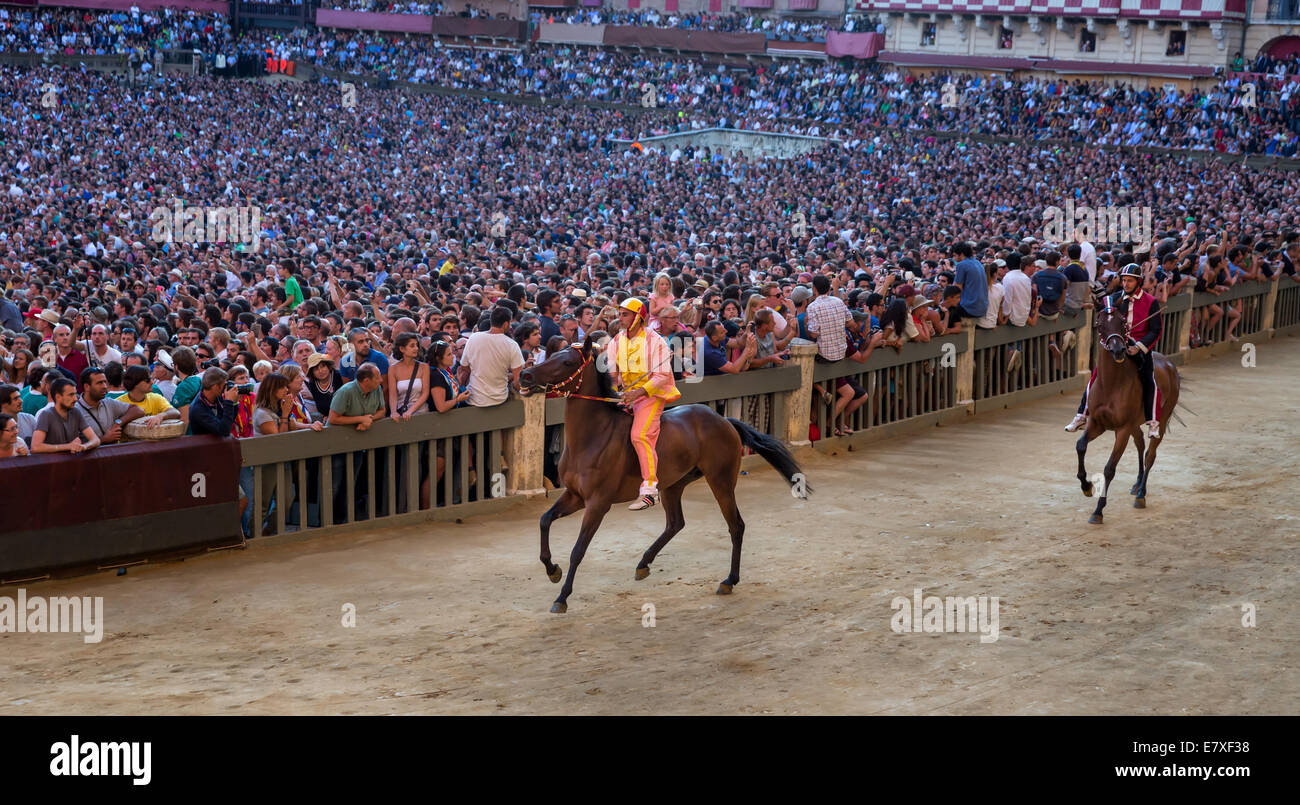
(525, 449)
(798, 401)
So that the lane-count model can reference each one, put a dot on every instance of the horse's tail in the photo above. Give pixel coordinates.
(773, 452)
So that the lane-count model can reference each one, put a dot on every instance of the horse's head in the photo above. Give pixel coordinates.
(1112, 330)
(559, 372)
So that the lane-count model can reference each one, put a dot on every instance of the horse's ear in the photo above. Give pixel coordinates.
(586, 345)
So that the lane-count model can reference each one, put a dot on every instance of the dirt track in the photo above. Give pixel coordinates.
(1140, 615)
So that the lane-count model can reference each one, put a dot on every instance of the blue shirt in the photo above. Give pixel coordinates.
(348, 365)
(714, 358)
(974, 284)
(11, 318)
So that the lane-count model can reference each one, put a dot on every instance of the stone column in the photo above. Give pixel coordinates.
(966, 368)
(798, 402)
(525, 449)
(1185, 332)
(1085, 344)
(1270, 306)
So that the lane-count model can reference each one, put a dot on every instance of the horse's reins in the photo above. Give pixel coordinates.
(561, 388)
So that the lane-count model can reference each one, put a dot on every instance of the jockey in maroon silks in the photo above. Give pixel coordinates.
(1142, 314)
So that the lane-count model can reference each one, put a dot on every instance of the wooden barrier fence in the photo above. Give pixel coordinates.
(478, 460)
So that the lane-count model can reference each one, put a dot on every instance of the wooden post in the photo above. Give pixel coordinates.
(1085, 343)
(1185, 331)
(797, 403)
(966, 370)
(525, 449)
(1270, 306)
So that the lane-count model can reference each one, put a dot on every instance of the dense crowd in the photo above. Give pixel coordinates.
(386, 6)
(788, 29)
(1276, 65)
(1235, 116)
(438, 245)
(81, 32)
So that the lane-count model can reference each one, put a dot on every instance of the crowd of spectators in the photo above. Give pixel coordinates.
(387, 6)
(787, 29)
(417, 251)
(1235, 116)
(67, 31)
(1274, 65)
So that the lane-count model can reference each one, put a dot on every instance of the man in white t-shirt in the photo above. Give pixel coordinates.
(491, 363)
(102, 353)
(1089, 258)
(1017, 292)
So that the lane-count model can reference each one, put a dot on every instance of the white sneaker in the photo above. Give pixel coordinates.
(1013, 360)
(1078, 422)
(1153, 430)
(1067, 340)
(644, 502)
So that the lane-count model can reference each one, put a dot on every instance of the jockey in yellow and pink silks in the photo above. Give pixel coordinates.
(641, 364)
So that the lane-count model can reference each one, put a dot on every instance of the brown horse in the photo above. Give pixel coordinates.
(599, 467)
(1115, 403)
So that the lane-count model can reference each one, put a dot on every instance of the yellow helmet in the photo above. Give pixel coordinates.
(636, 306)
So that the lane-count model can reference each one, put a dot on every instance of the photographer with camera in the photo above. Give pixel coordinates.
(213, 410)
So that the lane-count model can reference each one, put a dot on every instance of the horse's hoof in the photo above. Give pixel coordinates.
(1087, 491)
(724, 589)
(1095, 519)
(642, 572)
(1140, 503)
(559, 607)
(555, 575)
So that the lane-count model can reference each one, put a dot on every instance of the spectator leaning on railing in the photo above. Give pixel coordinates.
(359, 402)
(104, 415)
(826, 320)
(492, 362)
(11, 404)
(11, 445)
(213, 410)
(60, 427)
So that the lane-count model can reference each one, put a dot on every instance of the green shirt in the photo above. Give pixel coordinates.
(33, 402)
(186, 391)
(294, 291)
(350, 400)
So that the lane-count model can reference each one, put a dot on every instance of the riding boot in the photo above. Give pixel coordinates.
(1149, 403)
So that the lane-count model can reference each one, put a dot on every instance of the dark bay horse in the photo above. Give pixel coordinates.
(599, 467)
(1115, 403)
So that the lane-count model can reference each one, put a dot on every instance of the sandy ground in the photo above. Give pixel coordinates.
(1140, 615)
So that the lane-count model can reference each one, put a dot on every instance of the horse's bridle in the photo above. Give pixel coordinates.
(575, 380)
(1122, 335)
